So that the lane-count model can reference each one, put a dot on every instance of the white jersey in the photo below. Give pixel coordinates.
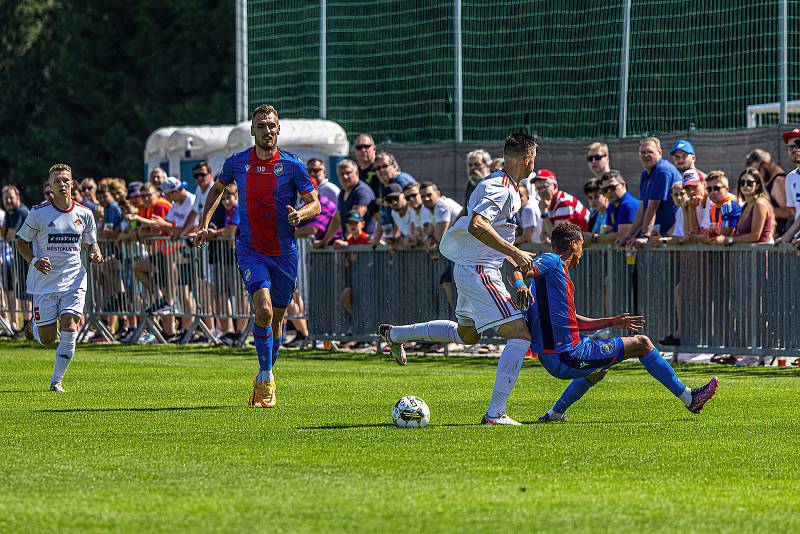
(793, 192)
(180, 211)
(530, 216)
(446, 209)
(58, 235)
(420, 218)
(330, 190)
(200, 200)
(497, 199)
(402, 222)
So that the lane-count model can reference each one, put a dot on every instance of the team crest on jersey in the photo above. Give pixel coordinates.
(78, 223)
(606, 348)
(278, 169)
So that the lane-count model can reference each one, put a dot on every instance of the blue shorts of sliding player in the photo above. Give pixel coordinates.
(587, 357)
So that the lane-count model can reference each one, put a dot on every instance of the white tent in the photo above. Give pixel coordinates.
(155, 149)
(189, 144)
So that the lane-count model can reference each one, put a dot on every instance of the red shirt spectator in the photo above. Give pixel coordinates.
(559, 206)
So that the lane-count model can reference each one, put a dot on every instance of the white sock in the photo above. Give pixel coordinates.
(64, 353)
(439, 331)
(507, 372)
(35, 330)
(265, 376)
(686, 396)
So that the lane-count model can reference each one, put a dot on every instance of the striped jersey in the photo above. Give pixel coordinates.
(565, 207)
(266, 188)
(553, 314)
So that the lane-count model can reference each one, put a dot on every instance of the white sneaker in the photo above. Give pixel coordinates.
(56, 386)
(398, 351)
(502, 419)
(146, 339)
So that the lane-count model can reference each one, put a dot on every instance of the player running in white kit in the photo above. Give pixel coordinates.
(50, 241)
(478, 243)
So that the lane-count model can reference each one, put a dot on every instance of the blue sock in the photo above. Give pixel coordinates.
(662, 371)
(575, 390)
(276, 345)
(263, 338)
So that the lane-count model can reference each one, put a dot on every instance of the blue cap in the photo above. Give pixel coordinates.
(683, 144)
(354, 216)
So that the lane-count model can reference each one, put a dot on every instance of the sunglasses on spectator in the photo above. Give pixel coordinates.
(199, 175)
(381, 167)
(747, 183)
(595, 157)
(315, 171)
(86, 188)
(608, 188)
(411, 195)
(363, 147)
(717, 188)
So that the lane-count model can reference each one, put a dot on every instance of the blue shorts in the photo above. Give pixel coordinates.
(587, 357)
(276, 273)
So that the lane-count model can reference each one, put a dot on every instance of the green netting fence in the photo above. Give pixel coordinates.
(421, 71)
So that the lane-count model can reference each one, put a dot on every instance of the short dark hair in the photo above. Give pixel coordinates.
(519, 144)
(592, 186)
(610, 175)
(423, 185)
(312, 160)
(200, 164)
(564, 234)
(266, 109)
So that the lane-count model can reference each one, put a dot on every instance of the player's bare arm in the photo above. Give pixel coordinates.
(212, 201)
(95, 255)
(623, 321)
(25, 250)
(309, 210)
(481, 229)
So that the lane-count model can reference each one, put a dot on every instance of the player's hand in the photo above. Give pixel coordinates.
(43, 265)
(97, 257)
(626, 321)
(294, 216)
(524, 297)
(524, 260)
(200, 237)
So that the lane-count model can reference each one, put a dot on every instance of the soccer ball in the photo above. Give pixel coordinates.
(411, 412)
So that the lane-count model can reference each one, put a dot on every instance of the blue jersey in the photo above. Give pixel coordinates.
(552, 320)
(266, 188)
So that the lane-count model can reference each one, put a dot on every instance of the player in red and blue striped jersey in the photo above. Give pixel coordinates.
(269, 181)
(555, 329)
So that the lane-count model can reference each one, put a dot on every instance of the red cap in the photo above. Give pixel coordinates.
(788, 136)
(547, 174)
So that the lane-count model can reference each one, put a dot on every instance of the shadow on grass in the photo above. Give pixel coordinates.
(162, 409)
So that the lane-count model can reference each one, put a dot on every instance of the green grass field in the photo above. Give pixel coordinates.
(160, 439)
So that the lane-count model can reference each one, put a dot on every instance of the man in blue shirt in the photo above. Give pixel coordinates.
(656, 211)
(622, 206)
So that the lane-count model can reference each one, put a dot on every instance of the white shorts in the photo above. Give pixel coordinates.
(48, 307)
(483, 300)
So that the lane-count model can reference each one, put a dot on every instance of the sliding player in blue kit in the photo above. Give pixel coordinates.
(555, 331)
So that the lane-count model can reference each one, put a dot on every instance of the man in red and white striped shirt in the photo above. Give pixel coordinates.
(558, 206)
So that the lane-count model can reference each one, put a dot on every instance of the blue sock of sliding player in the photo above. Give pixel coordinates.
(276, 345)
(662, 371)
(263, 338)
(575, 390)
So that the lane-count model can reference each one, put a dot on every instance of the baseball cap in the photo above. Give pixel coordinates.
(395, 190)
(171, 184)
(692, 177)
(354, 216)
(546, 174)
(683, 144)
(135, 189)
(788, 136)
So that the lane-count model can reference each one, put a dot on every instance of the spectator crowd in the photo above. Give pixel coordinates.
(378, 204)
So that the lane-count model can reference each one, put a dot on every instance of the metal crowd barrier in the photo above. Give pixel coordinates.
(732, 300)
(151, 282)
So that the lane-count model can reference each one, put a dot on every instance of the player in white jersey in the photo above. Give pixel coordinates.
(50, 241)
(478, 243)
